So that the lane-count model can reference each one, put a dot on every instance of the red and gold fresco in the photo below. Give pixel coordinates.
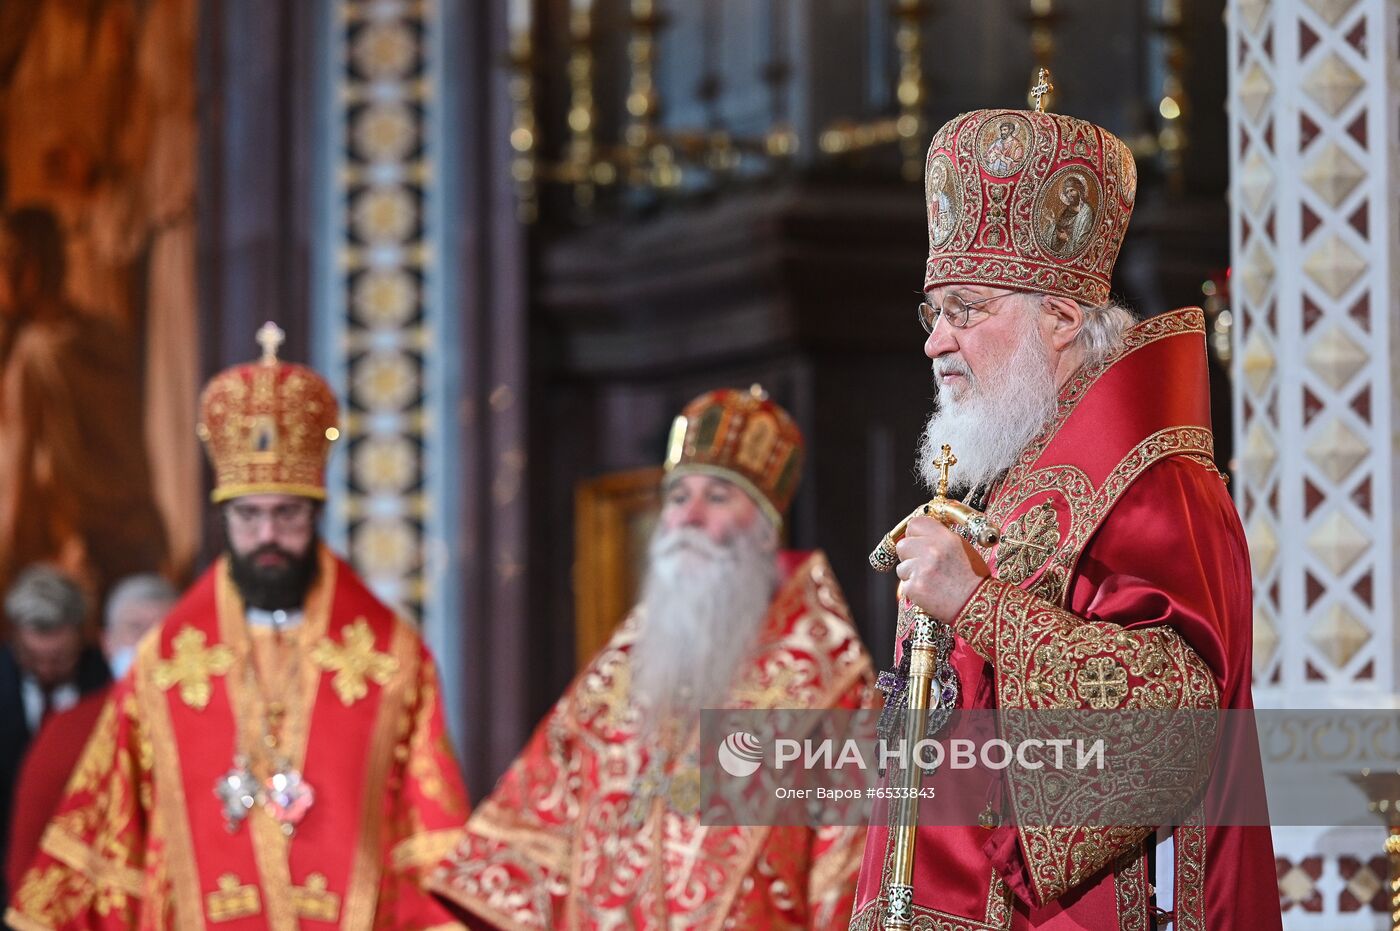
(99, 469)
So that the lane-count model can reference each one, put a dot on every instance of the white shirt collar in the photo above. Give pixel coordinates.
(277, 620)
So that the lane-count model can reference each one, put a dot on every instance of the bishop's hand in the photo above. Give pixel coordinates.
(938, 571)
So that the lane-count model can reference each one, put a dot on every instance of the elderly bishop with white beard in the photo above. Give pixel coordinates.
(597, 824)
(1120, 584)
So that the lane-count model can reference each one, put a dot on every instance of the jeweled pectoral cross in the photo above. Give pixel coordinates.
(1042, 89)
(237, 791)
(945, 463)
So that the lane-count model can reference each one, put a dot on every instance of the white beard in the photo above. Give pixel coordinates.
(994, 417)
(703, 607)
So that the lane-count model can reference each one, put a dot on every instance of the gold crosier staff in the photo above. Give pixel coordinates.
(973, 526)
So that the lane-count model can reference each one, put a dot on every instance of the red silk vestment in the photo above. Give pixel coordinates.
(1122, 581)
(140, 840)
(593, 827)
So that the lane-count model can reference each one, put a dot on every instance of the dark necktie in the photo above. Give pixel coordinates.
(48, 708)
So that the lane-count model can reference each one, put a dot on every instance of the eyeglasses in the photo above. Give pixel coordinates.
(284, 518)
(954, 308)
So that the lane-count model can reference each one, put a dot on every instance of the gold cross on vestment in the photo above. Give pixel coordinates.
(1042, 89)
(354, 662)
(1103, 683)
(783, 684)
(945, 463)
(190, 666)
(270, 338)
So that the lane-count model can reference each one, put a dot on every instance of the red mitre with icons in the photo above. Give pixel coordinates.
(1027, 200)
(743, 437)
(268, 426)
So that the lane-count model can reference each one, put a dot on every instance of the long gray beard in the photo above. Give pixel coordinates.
(703, 607)
(994, 419)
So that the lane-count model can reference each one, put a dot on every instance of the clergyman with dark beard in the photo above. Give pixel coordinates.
(596, 824)
(271, 578)
(277, 753)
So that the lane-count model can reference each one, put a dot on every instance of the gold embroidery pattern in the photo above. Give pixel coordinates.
(314, 901)
(249, 707)
(170, 811)
(191, 665)
(422, 748)
(604, 693)
(834, 872)
(66, 848)
(426, 849)
(1044, 671)
(559, 822)
(976, 624)
(49, 898)
(1046, 657)
(1173, 441)
(1028, 543)
(354, 662)
(998, 903)
(232, 900)
(1089, 505)
(1164, 326)
(509, 889)
(1189, 904)
(93, 838)
(1102, 683)
(362, 887)
(1130, 892)
(94, 766)
(781, 685)
(1039, 651)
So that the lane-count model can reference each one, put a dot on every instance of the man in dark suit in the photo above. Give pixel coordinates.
(45, 668)
(138, 604)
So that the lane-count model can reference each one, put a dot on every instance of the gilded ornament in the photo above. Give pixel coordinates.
(191, 665)
(744, 438)
(354, 661)
(1102, 683)
(232, 900)
(314, 901)
(1028, 543)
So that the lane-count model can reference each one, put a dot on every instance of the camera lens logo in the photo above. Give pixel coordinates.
(741, 754)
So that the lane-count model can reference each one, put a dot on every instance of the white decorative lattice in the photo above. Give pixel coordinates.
(1314, 199)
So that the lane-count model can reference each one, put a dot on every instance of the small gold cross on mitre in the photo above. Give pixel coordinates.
(270, 338)
(945, 463)
(1042, 88)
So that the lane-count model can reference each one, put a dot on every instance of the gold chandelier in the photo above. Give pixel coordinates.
(649, 156)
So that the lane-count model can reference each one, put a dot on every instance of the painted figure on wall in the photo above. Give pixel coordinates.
(75, 486)
(97, 128)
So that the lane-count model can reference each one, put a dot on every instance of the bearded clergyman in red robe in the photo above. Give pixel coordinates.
(597, 824)
(276, 758)
(1121, 581)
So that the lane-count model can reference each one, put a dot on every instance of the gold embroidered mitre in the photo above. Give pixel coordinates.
(743, 437)
(268, 426)
(1029, 201)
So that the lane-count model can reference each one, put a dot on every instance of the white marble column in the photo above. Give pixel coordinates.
(1315, 192)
